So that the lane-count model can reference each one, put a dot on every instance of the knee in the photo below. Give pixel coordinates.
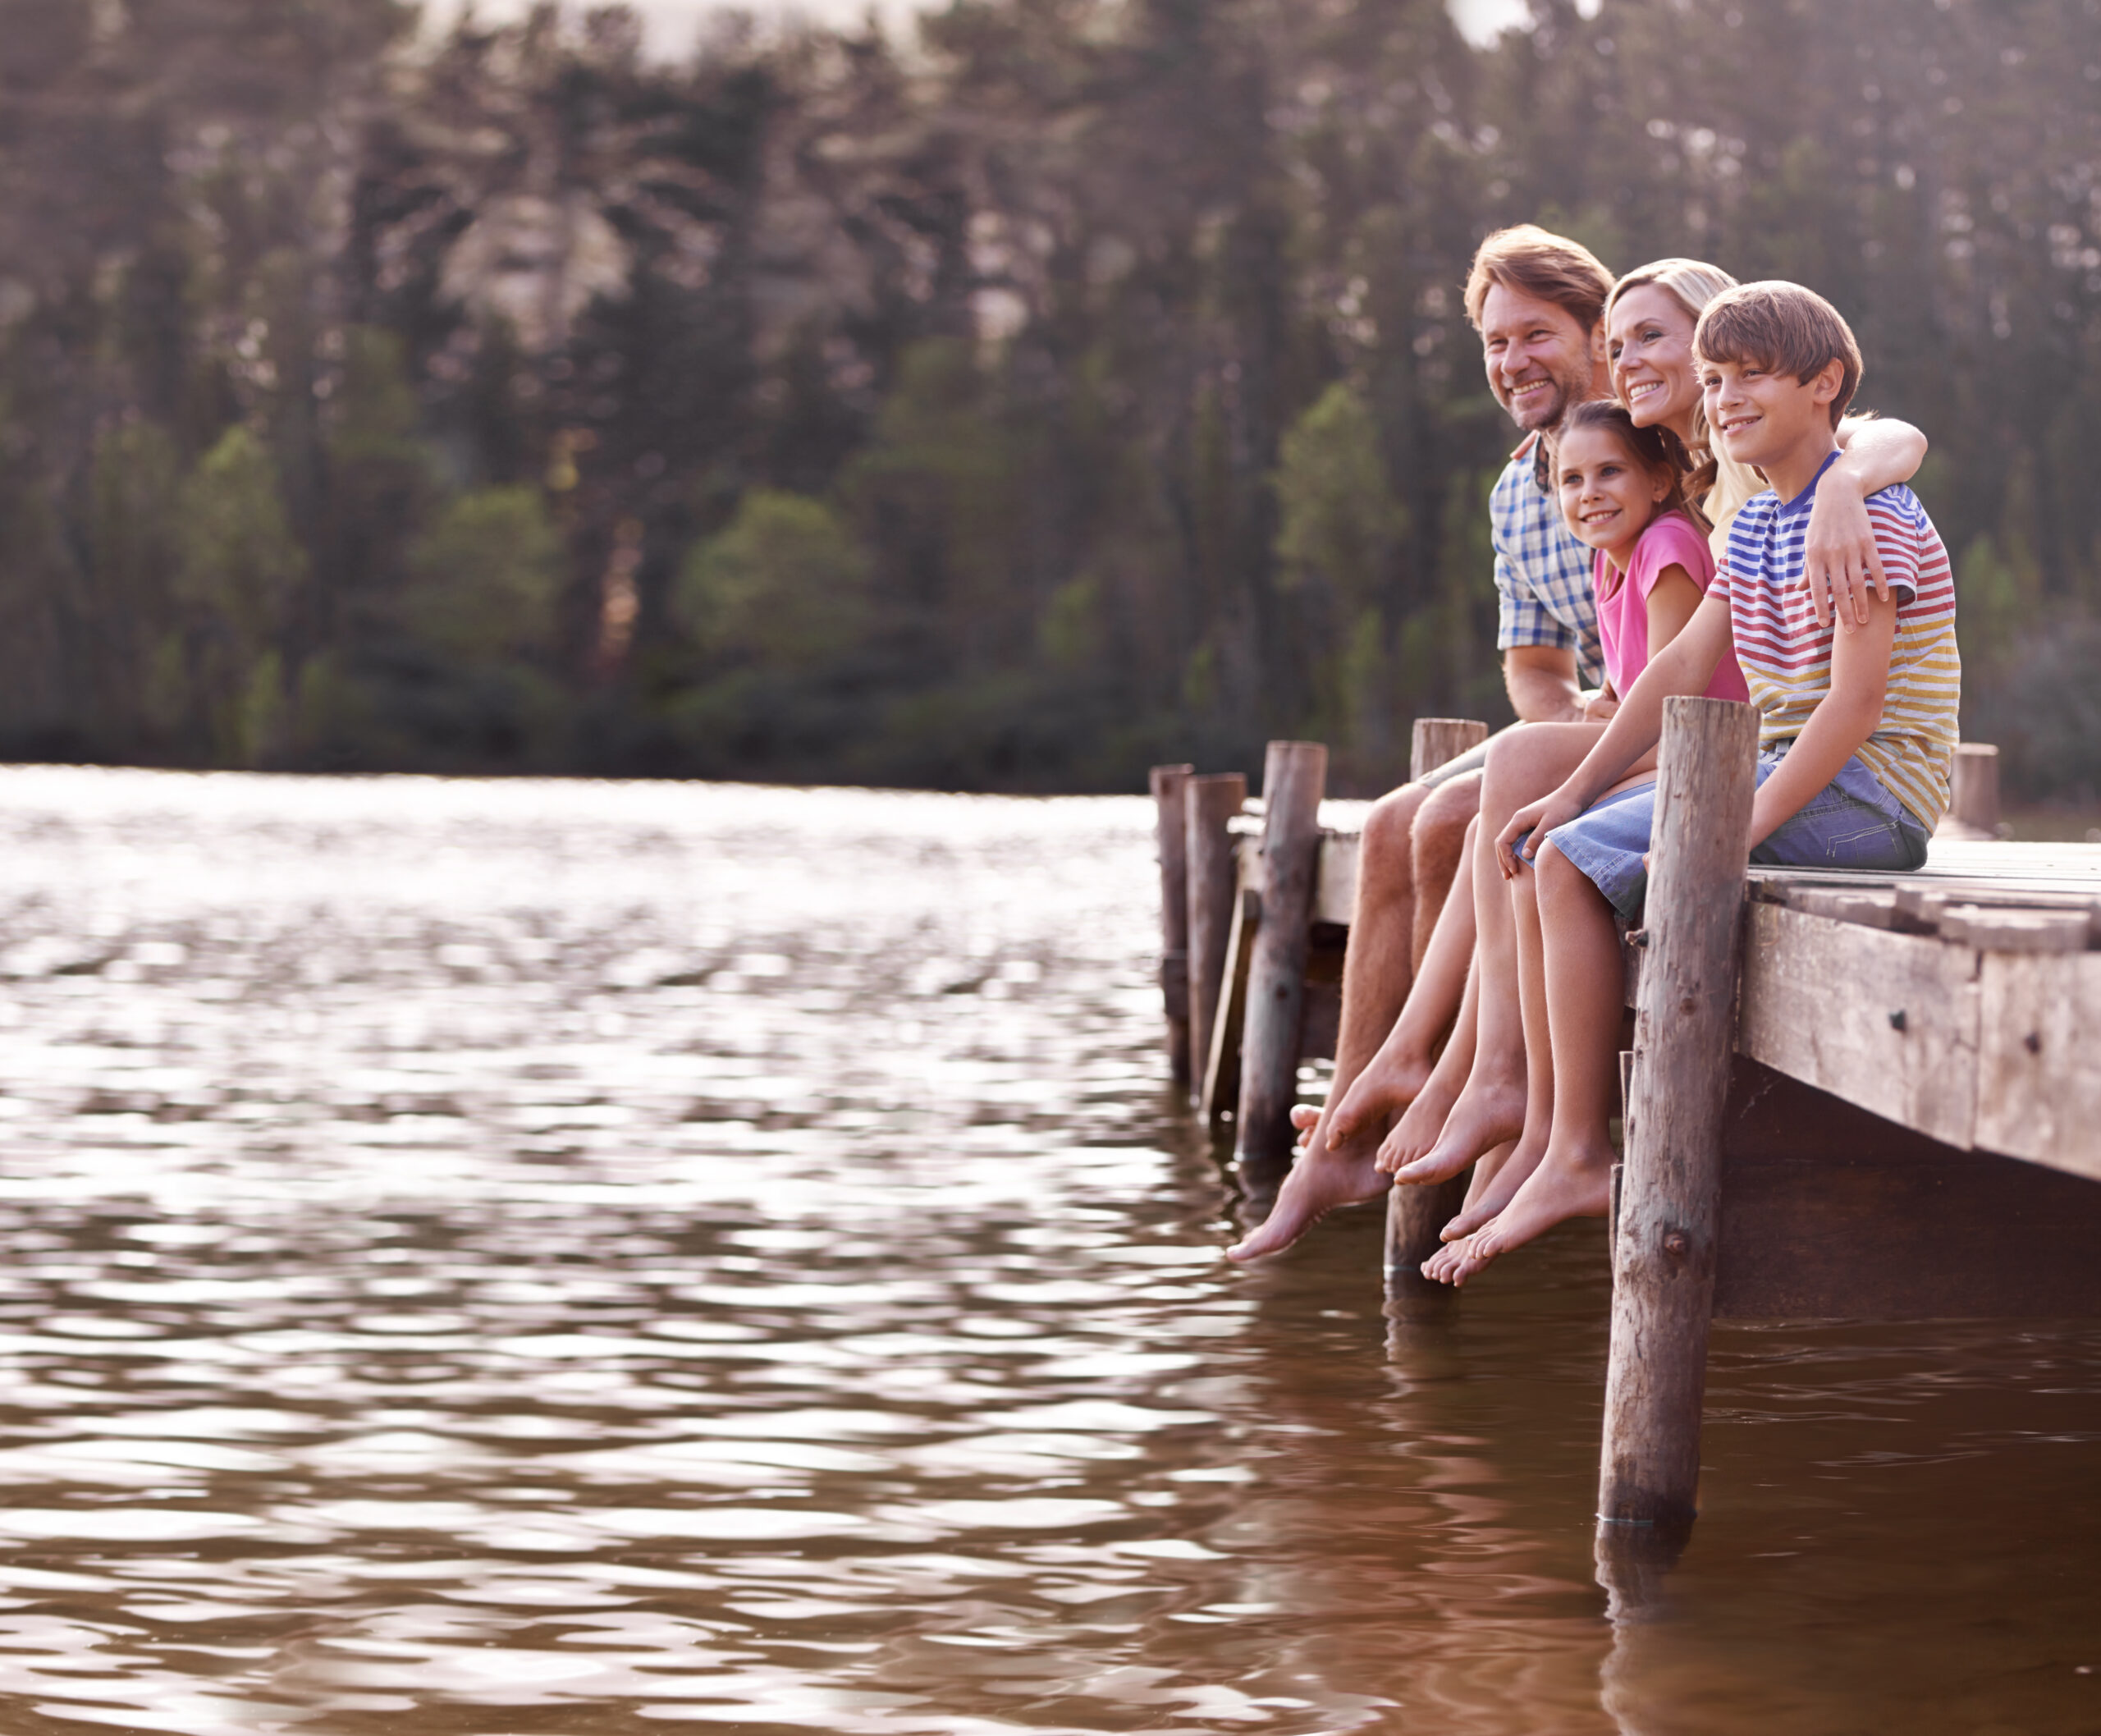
(1558, 877)
(1447, 812)
(1390, 826)
(1516, 770)
(1507, 756)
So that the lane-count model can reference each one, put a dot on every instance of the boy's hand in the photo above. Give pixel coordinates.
(1539, 818)
(1840, 561)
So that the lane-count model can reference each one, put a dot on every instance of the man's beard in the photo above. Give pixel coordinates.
(1546, 413)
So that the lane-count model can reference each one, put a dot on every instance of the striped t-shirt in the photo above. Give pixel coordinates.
(1786, 656)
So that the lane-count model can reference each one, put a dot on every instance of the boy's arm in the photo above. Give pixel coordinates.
(1685, 666)
(1840, 561)
(1844, 718)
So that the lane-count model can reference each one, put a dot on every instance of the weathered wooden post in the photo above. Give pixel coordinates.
(1209, 805)
(1294, 777)
(1414, 1214)
(1169, 786)
(1670, 1209)
(1974, 792)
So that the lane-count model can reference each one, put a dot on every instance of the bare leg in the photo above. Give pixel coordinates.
(1397, 1073)
(1484, 1203)
(1376, 977)
(1443, 836)
(1583, 993)
(1417, 1131)
(1491, 1109)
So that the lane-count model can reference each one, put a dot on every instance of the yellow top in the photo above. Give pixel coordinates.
(1734, 484)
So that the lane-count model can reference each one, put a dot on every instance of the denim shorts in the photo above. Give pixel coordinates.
(1853, 822)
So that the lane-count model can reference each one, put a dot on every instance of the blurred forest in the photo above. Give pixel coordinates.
(1078, 384)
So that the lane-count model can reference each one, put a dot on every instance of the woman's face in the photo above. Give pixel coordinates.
(1649, 341)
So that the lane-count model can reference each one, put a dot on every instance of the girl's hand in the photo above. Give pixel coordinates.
(1539, 818)
(1840, 561)
(1599, 707)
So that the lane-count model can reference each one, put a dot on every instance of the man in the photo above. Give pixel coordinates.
(1538, 301)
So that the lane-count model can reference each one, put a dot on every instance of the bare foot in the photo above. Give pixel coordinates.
(1487, 1201)
(1441, 1266)
(1489, 1111)
(1563, 1186)
(1321, 1179)
(1391, 1081)
(1415, 1135)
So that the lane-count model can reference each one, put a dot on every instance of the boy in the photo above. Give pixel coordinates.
(1857, 739)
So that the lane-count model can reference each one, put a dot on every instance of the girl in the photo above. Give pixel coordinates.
(1622, 494)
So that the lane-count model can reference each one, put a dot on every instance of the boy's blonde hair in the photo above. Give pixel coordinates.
(1785, 327)
(1532, 261)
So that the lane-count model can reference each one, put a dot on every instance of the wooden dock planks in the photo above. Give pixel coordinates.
(1886, 1021)
(1961, 1004)
(2038, 1065)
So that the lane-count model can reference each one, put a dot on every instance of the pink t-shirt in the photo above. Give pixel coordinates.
(1671, 540)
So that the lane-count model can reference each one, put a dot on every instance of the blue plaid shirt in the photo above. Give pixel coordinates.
(1542, 573)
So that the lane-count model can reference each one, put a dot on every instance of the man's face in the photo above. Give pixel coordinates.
(1539, 360)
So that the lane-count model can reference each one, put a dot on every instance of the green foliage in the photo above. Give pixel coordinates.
(782, 585)
(238, 563)
(1085, 387)
(485, 577)
(238, 571)
(1339, 520)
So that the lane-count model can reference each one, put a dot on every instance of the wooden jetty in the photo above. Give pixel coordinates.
(1849, 1096)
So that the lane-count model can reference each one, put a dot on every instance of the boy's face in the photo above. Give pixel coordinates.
(1539, 360)
(1762, 416)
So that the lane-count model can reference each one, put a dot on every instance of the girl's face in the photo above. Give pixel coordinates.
(1608, 494)
(1649, 342)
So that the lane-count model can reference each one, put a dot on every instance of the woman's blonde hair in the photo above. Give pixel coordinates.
(1691, 284)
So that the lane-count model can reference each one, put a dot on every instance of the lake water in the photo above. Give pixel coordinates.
(540, 1257)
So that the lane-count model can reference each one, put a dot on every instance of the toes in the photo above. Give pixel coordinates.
(1304, 1116)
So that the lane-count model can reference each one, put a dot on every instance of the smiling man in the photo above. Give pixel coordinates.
(1538, 301)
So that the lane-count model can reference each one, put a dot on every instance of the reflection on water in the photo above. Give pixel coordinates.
(530, 1257)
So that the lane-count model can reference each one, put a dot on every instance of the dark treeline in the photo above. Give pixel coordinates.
(1076, 386)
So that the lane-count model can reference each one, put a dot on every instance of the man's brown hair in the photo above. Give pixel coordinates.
(1782, 326)
(1534, 262)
